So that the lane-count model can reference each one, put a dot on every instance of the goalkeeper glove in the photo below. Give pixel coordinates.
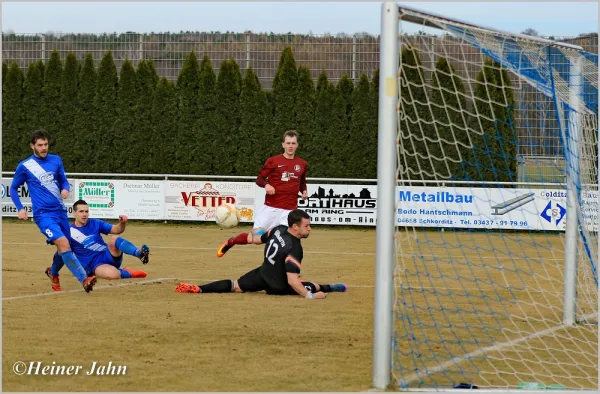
(315, 296)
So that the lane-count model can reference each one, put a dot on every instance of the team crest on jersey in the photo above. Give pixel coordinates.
(297, 167)
(47, 178)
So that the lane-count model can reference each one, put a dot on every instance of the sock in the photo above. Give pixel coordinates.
(240, 239)
(220, 286)
(124, 274)
(57, 264)
(127, 247)
(325, 288)
(74, 266)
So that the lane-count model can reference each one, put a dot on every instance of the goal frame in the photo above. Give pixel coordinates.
(391, 13)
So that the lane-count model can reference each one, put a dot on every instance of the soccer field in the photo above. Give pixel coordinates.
(190, 342)
(254, 342)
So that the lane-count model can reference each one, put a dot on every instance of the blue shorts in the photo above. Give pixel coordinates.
(53, 225)
(102, 258)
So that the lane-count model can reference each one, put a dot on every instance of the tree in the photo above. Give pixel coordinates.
(227, 118)
(68, 108)
(530, 32)
(323, 118)
(127, 143)
(104, 140)
(254, 126)
(51, 116)
(12, 121)
(372, 138)
(145, 86)
(33, 102)
(4, 72)
(164, 129)
(337, 134)
(305, 113)
(493, 154)
(85, 124)
(284, 95)
(187, 89)
(416, 161)
(361, 129)
(449, 121)
(207, 136)
(346, 86)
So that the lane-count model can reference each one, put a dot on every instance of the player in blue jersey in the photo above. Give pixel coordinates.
(48, 186)
(97, 257)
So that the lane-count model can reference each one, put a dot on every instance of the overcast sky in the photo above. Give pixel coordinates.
(548, 18)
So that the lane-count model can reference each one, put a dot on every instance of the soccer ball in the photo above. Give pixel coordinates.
(227, 216)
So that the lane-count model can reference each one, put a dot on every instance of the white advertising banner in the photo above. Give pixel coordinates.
(110, 198)
(350, 205)
(198, 200)
(9, 209)
(520, 209)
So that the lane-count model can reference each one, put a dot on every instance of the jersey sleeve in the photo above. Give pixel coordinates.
(265, 236)
(62, 177)
(103, 227)
(18, 180)
(264, 172)
(293, 263)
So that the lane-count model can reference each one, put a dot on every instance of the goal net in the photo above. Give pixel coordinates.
(495, 279)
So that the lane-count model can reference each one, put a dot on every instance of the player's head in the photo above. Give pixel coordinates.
(81, 211)
(299, 223)
(290, 143)
(39, 143)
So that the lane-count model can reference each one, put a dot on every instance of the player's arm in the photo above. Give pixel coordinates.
(61, 176)
(119, 228)
(258, 239)
(262, 180)
(292, 269)
(18, 180)
(303, 186)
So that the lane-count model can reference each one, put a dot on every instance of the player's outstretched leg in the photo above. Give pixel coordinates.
(73, 264)
(220, 286)
(240, 239)
(110, 272)
(128, 248)
(52, 272)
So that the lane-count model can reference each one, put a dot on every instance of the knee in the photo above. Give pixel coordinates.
(236, 287)
(112, 241)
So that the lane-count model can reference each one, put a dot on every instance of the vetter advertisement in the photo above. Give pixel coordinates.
(198, 200)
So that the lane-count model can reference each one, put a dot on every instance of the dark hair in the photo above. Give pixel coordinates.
(40, 134)
(296, 216)
(290, 133)
(78, 203)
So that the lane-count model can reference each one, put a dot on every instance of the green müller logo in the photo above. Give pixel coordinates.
(97, 194)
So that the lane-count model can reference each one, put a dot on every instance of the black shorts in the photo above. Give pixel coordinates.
(253, 281)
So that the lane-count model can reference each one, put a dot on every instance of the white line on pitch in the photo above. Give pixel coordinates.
(458, 360)
(260, 250)
(81, 290)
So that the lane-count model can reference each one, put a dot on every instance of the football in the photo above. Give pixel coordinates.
(227, 216)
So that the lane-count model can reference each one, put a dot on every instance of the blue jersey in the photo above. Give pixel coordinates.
(45, 179)
(87, 242)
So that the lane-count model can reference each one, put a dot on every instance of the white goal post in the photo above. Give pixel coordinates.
(501, 298)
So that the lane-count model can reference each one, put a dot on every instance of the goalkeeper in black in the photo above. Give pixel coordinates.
(280, 270)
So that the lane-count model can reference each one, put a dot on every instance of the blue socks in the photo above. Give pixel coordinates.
(127, 247)
(124, 274)
(74, 266)
(57, 264)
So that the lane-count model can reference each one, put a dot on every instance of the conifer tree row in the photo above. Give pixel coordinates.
(218, 120)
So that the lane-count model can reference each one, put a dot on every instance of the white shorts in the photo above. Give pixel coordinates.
(268, 217)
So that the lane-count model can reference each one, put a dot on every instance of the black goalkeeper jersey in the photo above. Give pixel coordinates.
(283, 254)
